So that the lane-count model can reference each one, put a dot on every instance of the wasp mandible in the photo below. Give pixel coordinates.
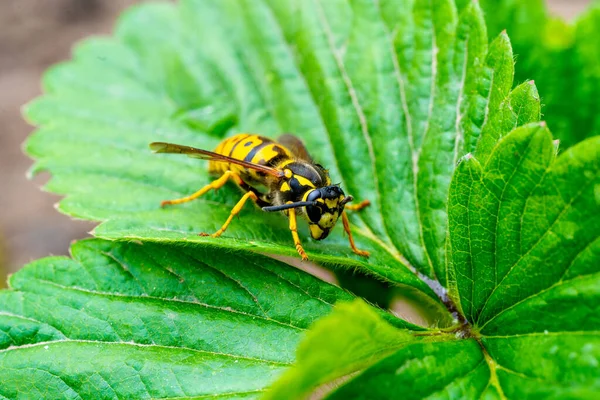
(294, 183)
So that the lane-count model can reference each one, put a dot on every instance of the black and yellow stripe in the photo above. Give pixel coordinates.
(250, 148)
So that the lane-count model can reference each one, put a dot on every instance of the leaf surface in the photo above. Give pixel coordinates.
(390, 96)
(354, 334)
(524, 272)
(129, 320)
(387, 95)
(526, 224)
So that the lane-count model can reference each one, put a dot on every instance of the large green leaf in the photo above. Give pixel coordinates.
(520, 215)
(388, 95)
(525, 273)
(127, 320)
(357, 337)
(563, 58)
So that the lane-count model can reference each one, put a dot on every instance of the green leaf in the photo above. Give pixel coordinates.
(562, 57)
(129, 320)
(353, 343)
(361, 82)
(519, 108)
(524, 273)
(390, 96)
(526, 224)
(557, 365)
(355, 337)
(451, 369)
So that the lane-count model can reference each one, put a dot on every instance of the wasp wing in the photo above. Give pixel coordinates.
(161, 147)
(295, 145)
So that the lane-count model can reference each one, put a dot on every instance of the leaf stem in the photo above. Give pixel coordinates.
(442, 293)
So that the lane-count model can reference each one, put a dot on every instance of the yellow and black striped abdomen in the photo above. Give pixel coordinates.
(250, 148)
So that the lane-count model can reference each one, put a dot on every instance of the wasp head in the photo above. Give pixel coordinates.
(328, 205)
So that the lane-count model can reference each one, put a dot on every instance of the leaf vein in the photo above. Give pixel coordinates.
(541, 292)
(546, 232)
(144, 345)
(142, 298)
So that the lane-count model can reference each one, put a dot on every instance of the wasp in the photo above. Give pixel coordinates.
(278, 176)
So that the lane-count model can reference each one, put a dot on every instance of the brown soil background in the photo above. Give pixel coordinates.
(35, 34)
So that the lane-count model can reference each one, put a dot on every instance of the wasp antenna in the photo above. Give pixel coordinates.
(347, 199)
(158, 146)
(289, 205)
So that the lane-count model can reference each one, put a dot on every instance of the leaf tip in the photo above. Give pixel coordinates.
(465, 159)
(24, 109)
(543, 124)
(31, 172)
(556, 144)
(531, 82)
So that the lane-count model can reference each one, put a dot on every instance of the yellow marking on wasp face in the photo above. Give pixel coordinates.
(285, 187)
(327, 220)
(303, 181)
(315, 231)
(320, 201)
(288, 173)
(332, 203)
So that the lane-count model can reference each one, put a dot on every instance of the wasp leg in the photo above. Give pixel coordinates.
(216, 184)
(359, 206)
(260, 202)
(294, 229)
(234, 211)
(350, 238)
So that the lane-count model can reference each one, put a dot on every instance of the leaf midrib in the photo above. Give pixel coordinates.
(415, 154)
(213, 396)
(142, 298)
(500, 200)
(544, 334)
(144, 345)
(493, 380)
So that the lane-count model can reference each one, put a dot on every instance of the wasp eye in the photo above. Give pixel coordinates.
(313, 195)
(314, 212)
